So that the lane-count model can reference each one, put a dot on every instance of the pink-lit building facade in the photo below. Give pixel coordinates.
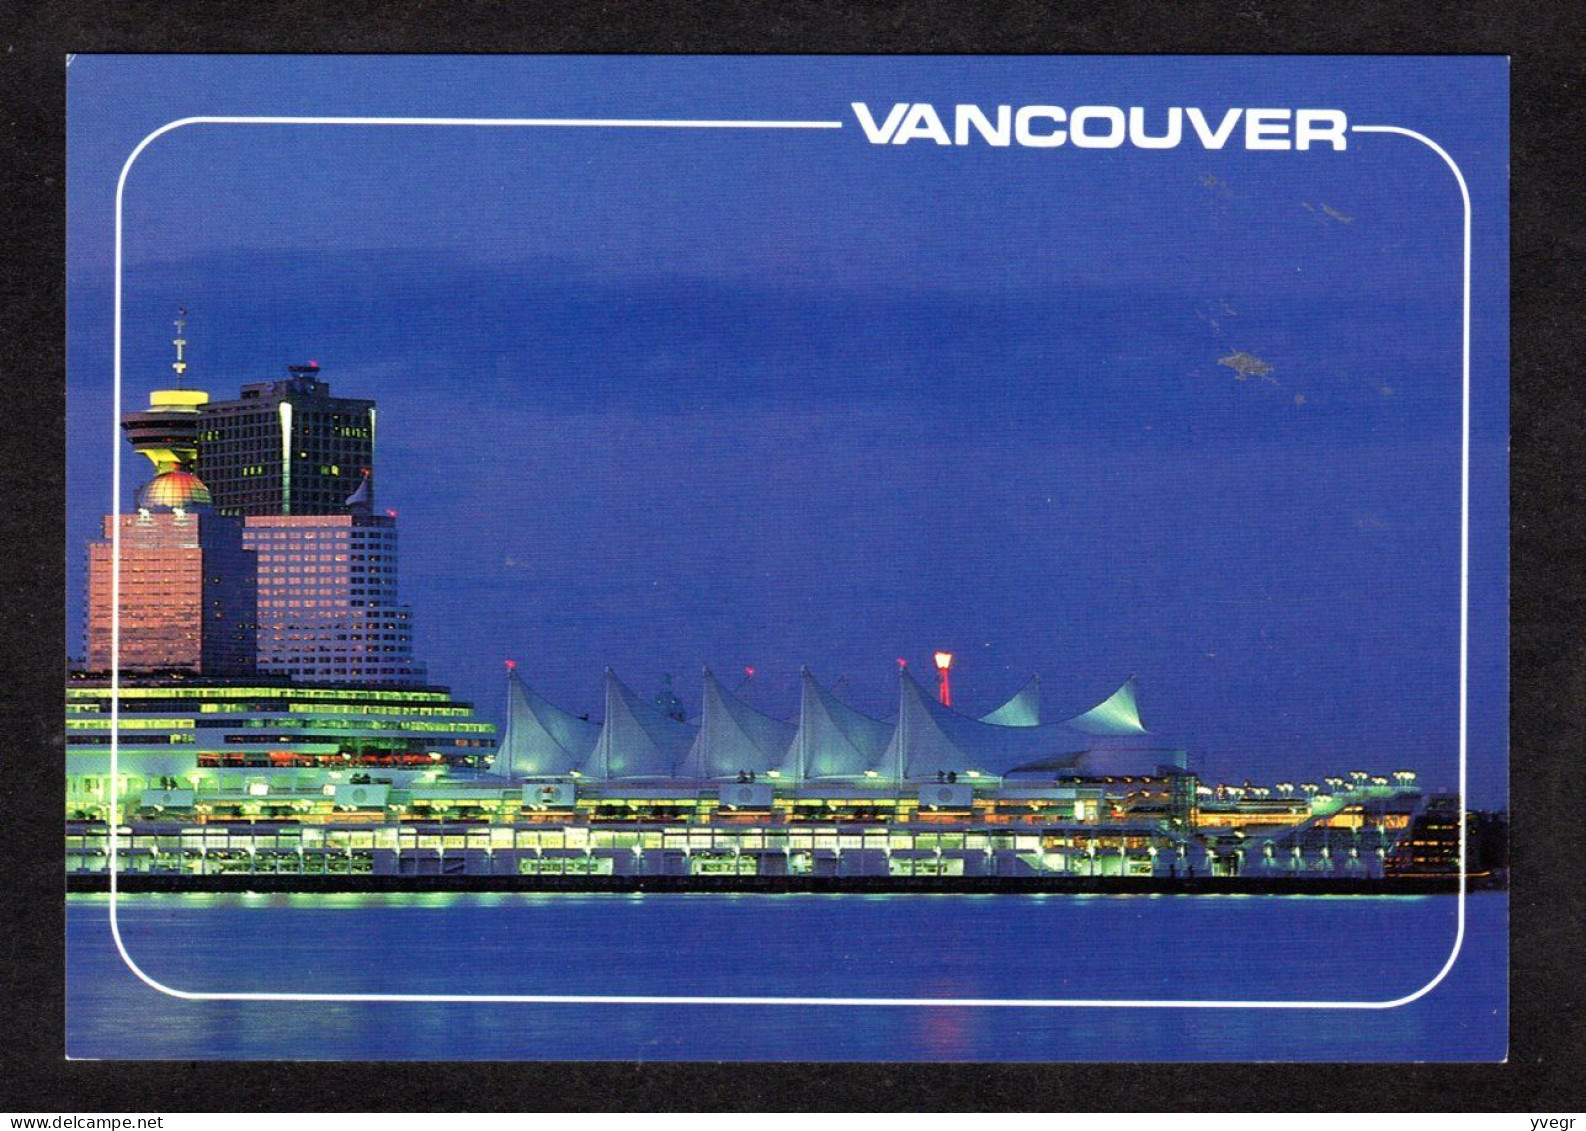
(327, 599)
(187, 594)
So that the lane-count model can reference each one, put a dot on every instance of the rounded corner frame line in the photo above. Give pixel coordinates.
(661, 999)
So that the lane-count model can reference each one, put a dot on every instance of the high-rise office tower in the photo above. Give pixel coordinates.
(328, 608)
(286, 447)
(187, 598)
(298, 464)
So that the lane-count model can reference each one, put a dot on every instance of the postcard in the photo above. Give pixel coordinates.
(787, 558)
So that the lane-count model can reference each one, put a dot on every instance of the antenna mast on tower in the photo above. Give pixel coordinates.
(180, 342)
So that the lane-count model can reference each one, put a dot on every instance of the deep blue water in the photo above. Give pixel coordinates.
(1291, 948)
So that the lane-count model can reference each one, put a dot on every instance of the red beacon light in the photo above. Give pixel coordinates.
(944, 691)
(512, 665)
(902, 663)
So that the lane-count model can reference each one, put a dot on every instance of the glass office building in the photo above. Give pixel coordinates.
(285, 447)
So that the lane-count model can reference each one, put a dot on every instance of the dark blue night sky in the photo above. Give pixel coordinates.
(664, 399)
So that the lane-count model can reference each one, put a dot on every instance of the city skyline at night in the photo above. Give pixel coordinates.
(691, 427)
(910, 558)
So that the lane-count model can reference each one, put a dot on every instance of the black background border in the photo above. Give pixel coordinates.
(1548, 548)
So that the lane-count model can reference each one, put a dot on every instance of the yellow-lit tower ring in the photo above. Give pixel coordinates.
(167, 432)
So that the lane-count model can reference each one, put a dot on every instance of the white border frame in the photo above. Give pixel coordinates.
(661, 999)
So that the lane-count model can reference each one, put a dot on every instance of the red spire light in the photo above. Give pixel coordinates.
(944, 689)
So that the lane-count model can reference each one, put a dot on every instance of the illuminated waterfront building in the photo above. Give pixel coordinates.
(277, 777)
(220, 742)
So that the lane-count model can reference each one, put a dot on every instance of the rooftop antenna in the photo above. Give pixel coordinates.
(180, 342)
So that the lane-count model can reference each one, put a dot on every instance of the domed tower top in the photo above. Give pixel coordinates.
(173, 490)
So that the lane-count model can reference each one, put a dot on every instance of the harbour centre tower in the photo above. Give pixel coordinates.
(187, 588)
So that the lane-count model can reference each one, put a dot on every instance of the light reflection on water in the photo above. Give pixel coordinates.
(817, 945)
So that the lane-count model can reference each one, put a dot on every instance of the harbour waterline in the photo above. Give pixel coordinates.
(1299, 948)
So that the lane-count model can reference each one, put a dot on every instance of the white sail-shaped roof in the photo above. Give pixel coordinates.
(636, 740)
(540, 737)
(932, 739)
(1023, 710)
(734, 738)
(833, 740)
(1118, 714)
